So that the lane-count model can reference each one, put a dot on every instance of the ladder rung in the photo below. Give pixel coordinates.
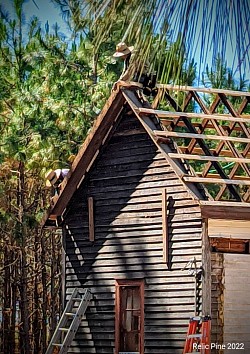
(74, 311)
(57, 344)
(196, 318)
(194, 336)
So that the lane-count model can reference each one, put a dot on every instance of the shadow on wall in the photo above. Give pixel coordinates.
(126, 184)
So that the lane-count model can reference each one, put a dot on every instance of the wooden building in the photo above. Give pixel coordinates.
(155, 218)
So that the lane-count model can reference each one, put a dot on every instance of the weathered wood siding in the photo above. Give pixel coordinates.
(230, 275)
(217, 298)
(126, 183)
(231, 302)
(229, 228)
(237, 303)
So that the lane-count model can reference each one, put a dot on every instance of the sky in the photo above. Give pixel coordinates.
(43, 9)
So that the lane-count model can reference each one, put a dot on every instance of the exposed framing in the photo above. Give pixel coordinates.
(206, 267)
(229, 132)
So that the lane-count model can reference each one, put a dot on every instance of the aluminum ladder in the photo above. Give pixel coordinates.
(69, 322)
(198, 336)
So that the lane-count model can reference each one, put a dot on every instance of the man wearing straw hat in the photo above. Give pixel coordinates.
(135, 70)
(124, 52)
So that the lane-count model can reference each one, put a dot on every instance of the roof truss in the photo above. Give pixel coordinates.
(214, 141)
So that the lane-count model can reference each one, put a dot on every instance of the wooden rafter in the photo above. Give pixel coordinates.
(208, 158)
(224, 117)
(150, 123)
(222, 132)
(211, 91)
(216, 139)
(206, 150)
(201, 136)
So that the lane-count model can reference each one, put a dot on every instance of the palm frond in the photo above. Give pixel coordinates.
(205, 29)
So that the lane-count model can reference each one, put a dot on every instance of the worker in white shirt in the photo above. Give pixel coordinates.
(54, 179)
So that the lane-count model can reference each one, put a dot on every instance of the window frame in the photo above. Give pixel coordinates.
(118, 284)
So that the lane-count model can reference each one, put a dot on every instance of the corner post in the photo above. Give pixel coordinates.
(206, 265)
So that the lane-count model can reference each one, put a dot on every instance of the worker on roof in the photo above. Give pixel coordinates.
(124, 52)
(54, 179)
(135, 70)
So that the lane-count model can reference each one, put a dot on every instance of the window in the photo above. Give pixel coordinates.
(129, 311)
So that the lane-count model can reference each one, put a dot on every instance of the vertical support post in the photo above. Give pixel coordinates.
(165, 226)
(206, 265)
(91, 219)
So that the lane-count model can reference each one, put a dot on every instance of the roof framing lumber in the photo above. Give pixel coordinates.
(225, 210)
(224, 117)
(202, 136)
(150, 124)
(203, 145)
(209, 158)
(234, 121)
(214, 175)
(199, 151)
(216, 180)
(203, 89)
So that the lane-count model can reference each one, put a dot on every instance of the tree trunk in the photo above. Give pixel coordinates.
(36, 317)
(14, 304)
(44, 294)
(53, 288)
(7, 302)
(25, 319)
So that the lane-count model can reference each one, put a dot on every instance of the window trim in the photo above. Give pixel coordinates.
(118, 284)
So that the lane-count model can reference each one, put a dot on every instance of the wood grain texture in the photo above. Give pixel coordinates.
(236, 301)
(217, 296)
(129, 243)
(91, 219)
(165, 240)
(238, 229)
(225, 117)
(203, 89)
(202, 136)
(232, 211)
(206, 266)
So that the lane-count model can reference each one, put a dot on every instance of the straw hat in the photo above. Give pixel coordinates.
(52, 176)
(122, 49)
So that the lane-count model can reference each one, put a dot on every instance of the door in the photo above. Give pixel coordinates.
(129, 317)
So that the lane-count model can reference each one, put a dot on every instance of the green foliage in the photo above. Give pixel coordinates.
(201, 29)
(219, 75)
(139, 23)
(50, 93)
(52, 89)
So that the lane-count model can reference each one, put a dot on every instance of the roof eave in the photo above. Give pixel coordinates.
(85, 157)
(225, 210)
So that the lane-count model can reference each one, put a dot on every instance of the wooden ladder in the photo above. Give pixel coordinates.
(69, 322)
(198, 336)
